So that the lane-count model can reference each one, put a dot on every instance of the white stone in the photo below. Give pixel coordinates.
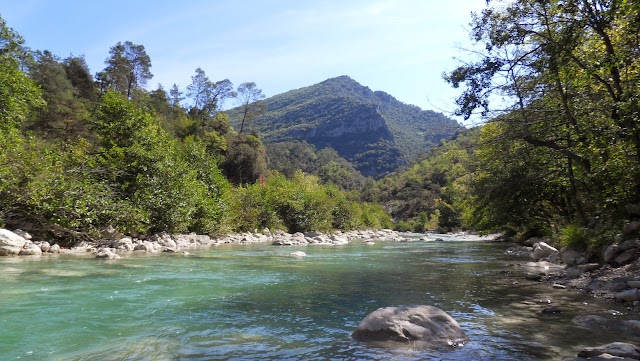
(31, 249)
(542, 250)
(10, 243)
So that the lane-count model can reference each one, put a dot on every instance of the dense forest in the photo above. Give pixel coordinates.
(556, 84)
(81, 153)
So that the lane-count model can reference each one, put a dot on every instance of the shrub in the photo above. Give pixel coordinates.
(573, 236)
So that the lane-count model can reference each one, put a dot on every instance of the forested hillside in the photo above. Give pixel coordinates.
(560, 153)
(81, 153)
(372, 130)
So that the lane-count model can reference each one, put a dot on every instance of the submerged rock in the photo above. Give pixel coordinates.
(618, 349)
(422, 326)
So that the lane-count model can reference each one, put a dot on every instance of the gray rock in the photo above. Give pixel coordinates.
(628, 244)
(617, 284)
(626, 257)
(572, 258)
(597, 323)
(611, 253)
(31, 249)
(422, 326)
(532, 276)
(631, 228)
(619, 349)
(589, 267)
(125, 244)
(23, 234)
(629, 295)
(150, 246)
(106, 253)
(596, 285)
(551, 310)
(54, 249)
(44, 246)
(10, 243)
(542, 250)
(573, 272)
(633, 284)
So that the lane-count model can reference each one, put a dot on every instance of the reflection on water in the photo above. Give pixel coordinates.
(255, 302)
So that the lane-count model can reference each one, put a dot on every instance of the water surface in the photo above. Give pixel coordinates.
(244, 302)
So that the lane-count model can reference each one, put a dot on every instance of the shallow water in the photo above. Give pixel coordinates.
(244, 302)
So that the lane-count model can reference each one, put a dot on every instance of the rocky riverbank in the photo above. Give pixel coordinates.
(612, 275)
(112, 246)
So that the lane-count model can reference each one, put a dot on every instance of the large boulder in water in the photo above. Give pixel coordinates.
(422, 326)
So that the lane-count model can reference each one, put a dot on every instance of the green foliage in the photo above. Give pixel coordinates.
(246, 159)
(18, 94)
(64, 116)
(175, 193)
(433, 193)
(288, 157)
(574, 236)
(128, 68)
(565, 145)
(300, 204)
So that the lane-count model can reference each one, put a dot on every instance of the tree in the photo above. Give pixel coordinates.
(251, 103)
(175, 96)
(18, 94)
(208, 96)
(64, 114)
(128, 68)
(246, 159)
(568, 74)
(78, 73)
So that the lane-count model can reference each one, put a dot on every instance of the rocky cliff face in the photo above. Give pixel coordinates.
(372, 130)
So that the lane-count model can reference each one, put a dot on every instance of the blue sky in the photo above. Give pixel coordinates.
(399, 46)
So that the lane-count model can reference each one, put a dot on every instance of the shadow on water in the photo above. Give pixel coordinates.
(256, 302)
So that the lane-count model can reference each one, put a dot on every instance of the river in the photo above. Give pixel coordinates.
(255, 302)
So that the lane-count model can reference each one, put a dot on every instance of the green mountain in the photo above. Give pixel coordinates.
(371, 129)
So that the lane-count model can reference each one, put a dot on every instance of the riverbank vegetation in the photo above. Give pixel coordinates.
(558, 82)
(79, 154)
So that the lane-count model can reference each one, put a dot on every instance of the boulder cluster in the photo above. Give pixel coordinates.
(613, 274)
(20, 243)
(113, 244)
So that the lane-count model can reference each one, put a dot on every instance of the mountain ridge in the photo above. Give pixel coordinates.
(372, 129)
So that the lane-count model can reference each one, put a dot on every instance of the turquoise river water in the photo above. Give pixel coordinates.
(254, 302)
